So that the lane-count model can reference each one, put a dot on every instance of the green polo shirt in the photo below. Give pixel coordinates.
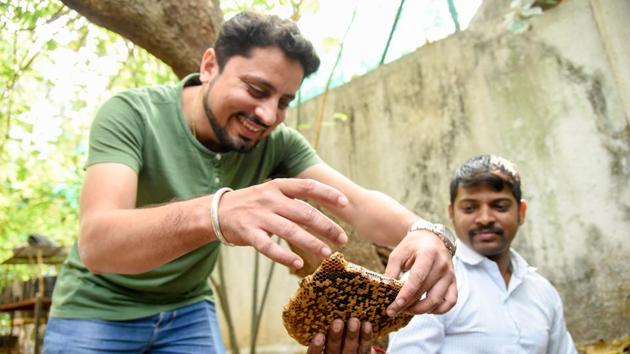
(145, 129)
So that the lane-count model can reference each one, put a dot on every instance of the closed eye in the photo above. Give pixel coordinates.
(256, 91)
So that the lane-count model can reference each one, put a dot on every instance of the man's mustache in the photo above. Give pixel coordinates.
(254, 119)
(489, 229)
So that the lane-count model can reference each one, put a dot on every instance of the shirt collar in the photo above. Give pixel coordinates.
(467, 254)
(471, 257)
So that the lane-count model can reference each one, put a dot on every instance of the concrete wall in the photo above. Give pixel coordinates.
(555, 100)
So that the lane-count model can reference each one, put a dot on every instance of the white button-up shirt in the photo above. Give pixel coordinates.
(525, 317)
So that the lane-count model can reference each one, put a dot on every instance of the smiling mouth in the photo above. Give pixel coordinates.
(249, 125)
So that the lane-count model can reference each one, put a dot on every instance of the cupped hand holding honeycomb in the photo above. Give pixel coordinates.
(340, 289)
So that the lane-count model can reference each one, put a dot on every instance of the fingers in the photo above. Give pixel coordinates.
(357, 338)
(335, 337)
(249, 215)
(449, 302)
(435, 285)
(315, 221)
(365, 346)
(410, 292)
(400, 259)
(393, 268)
(317, 344)
(264, 244)
(296, 235)
(436, 297)
(306, 215)
(300, 188)
(351, 341)
(431, 272)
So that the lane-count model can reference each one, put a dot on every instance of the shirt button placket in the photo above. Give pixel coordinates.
(217, 173)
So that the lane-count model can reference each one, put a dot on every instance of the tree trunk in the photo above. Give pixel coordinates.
(175, 31)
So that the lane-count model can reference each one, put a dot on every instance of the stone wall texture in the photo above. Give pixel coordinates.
(555, 100)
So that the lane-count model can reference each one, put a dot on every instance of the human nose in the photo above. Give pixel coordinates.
(485, 216)
(267, 112)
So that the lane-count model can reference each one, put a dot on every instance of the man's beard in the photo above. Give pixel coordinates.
(226, 143)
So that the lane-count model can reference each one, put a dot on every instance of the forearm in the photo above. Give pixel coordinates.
(374, 215)
(378, 218)
(130, 241)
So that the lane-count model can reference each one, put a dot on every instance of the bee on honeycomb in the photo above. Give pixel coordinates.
(340, 289)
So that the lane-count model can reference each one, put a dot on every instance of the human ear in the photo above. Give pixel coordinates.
(209, 66)
(522, 208)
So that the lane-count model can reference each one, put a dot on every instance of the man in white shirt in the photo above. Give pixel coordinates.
(504, 305)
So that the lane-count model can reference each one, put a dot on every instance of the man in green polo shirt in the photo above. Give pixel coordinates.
(174, 171)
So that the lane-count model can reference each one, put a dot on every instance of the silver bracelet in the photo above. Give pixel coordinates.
(214, 215)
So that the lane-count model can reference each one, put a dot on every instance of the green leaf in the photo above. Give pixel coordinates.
(51, 45)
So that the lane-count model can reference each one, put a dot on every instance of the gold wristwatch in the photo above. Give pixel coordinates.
(439, 230)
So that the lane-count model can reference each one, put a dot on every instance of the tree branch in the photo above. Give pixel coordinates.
(175, 31)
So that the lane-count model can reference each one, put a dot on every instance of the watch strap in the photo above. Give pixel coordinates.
(441, 231)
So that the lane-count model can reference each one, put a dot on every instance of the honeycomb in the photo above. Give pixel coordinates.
(340, 289)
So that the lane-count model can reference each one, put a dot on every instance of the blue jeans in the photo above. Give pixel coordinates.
(189, 329)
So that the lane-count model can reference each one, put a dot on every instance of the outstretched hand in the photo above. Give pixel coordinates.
(431, 272)
(249, 217)
(357, 339)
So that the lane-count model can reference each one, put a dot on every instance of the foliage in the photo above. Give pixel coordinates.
(45, 114)
(295, 7)
(28, 200)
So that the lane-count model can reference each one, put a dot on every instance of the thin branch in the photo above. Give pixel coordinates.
(320, 117)
(391, 32)
(261, 307)
(452, 9)
(63, 10)
(8, 99)
(225, 305)
(20, 66)
(253, 329)
(295, 8)
(130, 54)
(298, 108)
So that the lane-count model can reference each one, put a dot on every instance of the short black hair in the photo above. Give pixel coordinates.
(248, 30)
(494, 171)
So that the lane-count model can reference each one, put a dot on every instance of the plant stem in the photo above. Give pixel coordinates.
(453, 11)
(391, 32)
(225, 305)
(264, 299)
(254, 330)
(320, 117)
